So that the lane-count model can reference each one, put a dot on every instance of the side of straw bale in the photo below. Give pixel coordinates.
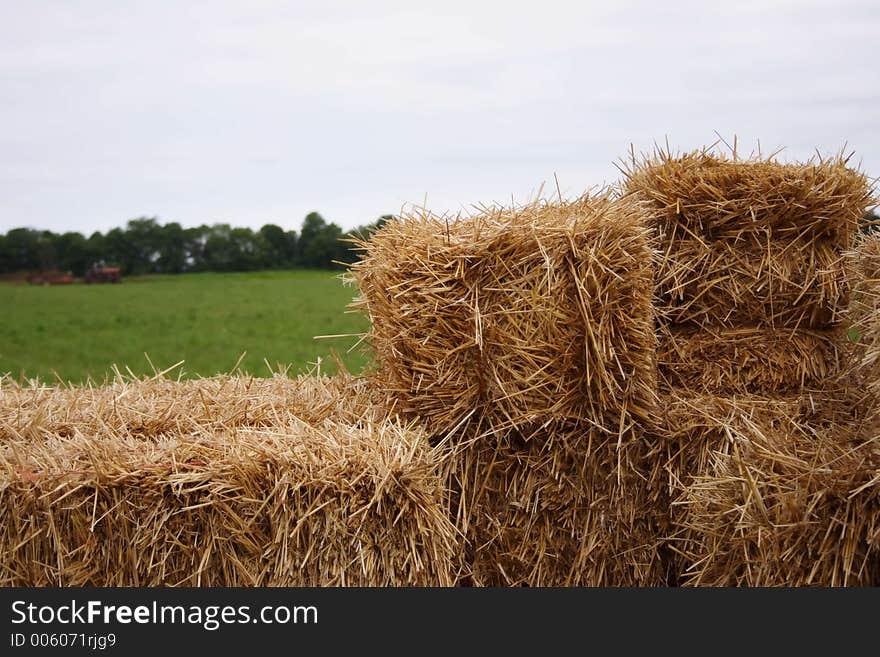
(563, 506)
(752, 280)
(748, 281)
(748, 360)
(694, 430)
(788, 508)
(769, 487)
(771, 491)
(513, 316)
(864, 316)
(288, 502)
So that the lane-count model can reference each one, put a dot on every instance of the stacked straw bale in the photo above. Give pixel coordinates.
(784, 489)
(157, 407)
(217, 482)
(751, 275)
(513, 317)
(523, 339)
(782, 496)
(750, 359)
(752, 290)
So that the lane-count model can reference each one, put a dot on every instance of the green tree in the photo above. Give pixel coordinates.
(47, 254)
(22, 248)
(96, 247)
(218, 249)
(245, 250)
(278, 246)
(313, 225)
(172, 249)
(144, 246)
(118, 250)
(144, 240)
(294, 249)
(194, 240)
(73, 252)
(5, 264)
(319, 242)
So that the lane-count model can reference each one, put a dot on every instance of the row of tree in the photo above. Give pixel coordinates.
(146, 246)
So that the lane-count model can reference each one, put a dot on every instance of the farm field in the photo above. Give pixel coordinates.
(207, 320)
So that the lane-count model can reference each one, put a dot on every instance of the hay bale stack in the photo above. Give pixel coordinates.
(523, 339)
(751, 259)
(781, 489)
(286, 502)
(513, 316)
(762, 445)
(784, 504)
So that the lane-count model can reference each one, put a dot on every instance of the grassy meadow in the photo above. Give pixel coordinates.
(76, 332)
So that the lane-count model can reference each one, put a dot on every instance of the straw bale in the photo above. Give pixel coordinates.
(750, 241)
(794, 507)
(747, 360)
(281, 501)
(695, 429)
(515, 315)
(564, 506)
(696, 426)
(810, 451)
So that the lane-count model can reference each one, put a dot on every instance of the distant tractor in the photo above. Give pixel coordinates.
(98, 273)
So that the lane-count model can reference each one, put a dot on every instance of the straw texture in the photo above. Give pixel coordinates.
(864, 316)
(780, 489)
(523, 339)
(708, 195)
(158, 406)
(565, 507)
(786, 505)
(748, 281)
(769, 491)
(747, 360)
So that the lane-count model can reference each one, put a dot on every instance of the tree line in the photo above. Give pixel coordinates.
(145, 246)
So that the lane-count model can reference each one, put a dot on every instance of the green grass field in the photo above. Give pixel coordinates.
(207, 320)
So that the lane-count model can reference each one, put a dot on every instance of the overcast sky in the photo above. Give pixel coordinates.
(256, 111)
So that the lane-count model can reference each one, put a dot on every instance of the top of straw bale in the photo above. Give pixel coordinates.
(710, 195)
(156, 406)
